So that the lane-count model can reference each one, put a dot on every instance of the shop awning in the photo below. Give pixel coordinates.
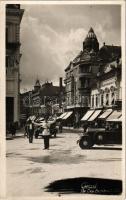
(62, 115)
(67, 115)
(105, 114)
(114, 116)
(87, 115)
(115, 120)
(95, 114)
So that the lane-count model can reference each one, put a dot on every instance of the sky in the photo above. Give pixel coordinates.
(52, 36)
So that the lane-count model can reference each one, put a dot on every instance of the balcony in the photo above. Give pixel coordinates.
(85, 87)
(65, 81)
(69, 79)
(84, 74)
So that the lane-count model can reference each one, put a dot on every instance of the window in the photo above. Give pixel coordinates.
(107, 99)
(84, 69)
(7, 61)
(67, 100)
(90, 69)
(113, 98)
(11, 61)
(96, 100)
(84, 83)
(92, 100)
(85, 101)
(102, 99)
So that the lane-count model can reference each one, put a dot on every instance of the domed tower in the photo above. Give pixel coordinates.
(91, 43)
(37, 85)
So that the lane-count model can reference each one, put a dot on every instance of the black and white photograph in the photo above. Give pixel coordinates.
(64, 99)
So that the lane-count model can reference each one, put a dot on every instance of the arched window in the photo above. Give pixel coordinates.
(102, 99)
(96, 100)
(92, 100)
(113, 98)
(107, 99)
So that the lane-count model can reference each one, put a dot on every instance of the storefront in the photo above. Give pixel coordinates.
(67, 118)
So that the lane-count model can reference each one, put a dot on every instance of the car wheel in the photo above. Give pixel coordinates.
(85, 143)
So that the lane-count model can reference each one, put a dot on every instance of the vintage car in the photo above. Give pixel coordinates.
(111, 134)
(52, 128)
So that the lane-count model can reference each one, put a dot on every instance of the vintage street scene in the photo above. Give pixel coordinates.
(64, 100)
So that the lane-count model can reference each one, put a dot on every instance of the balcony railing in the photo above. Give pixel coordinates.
(84, 74)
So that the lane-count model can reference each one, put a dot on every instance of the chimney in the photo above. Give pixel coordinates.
(60, 83)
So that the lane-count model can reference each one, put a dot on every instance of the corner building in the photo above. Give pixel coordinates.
(93, 78)
(13, 19)
(81, 76)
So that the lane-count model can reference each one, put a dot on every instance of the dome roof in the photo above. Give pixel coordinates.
(91, 41)
(91, 33)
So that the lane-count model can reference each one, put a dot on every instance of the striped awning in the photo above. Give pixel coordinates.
(95, 115)
(62, 115)
(105, 114)
(116, 120)
(87, 115)
(114, 116)
(67, 115)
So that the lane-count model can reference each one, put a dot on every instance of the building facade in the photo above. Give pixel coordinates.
(93, 78)
(13, 19)
(107, 93)
(45, 98)
(81, 75)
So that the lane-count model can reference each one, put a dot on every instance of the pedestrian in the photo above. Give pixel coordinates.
(12, 129)
(77, 116)
(60, 127)
(26, 129)
(30, 131)
(46, 133)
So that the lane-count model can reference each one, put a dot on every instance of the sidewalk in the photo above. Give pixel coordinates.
(73, 130)
(19, 133)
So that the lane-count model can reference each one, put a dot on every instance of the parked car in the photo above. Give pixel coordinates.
(53, 129)
(112, 134)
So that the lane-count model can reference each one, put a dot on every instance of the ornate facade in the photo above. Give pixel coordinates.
(93, 78)
(81, 75)
(107, 93)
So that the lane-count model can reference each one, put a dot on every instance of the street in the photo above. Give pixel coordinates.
(30, 168)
